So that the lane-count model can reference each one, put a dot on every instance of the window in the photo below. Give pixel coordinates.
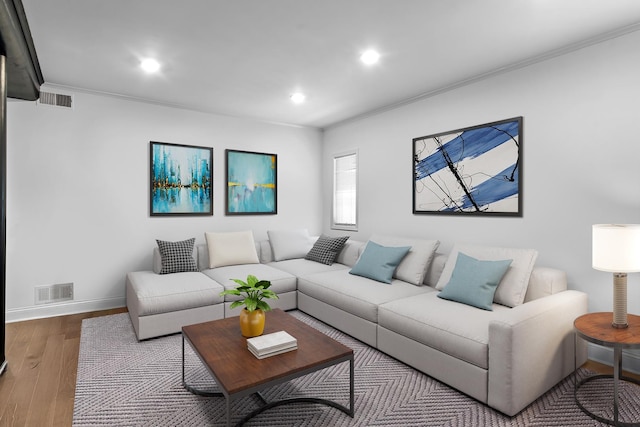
(345, 191)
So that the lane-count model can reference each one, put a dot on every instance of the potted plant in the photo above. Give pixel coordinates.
(252, 315)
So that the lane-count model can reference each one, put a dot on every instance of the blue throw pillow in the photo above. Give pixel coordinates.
(473, 282)
(379, 262)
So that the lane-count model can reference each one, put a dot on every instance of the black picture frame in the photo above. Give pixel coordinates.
(251, 183)
(180, 180)
(475, 170)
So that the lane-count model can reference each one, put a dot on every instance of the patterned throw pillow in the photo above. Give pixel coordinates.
(326, 249)
(177, 256)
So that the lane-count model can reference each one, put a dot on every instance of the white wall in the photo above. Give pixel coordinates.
(581, 160)
(78, 192)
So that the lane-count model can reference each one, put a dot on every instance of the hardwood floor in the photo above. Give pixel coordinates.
(38, 387)
(39, 384)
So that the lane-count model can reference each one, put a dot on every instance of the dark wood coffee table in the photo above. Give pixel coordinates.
(223, 350)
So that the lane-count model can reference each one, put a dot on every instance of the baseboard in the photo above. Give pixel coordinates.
(630, 358)
(62, 309)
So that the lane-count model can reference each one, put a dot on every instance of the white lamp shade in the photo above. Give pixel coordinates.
(616, 247)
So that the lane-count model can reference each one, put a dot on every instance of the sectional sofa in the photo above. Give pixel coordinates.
(504, 340)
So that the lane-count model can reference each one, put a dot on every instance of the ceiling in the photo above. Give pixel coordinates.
(246, 57)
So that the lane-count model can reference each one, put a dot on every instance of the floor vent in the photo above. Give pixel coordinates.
(56, 99)
(54, 293)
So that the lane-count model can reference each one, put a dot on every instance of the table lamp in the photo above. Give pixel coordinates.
(616, 248)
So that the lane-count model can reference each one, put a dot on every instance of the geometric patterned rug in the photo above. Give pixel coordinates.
(123, 382)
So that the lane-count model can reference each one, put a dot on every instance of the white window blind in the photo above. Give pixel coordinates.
(345, 191)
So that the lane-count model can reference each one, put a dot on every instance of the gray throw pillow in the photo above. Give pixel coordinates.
(177, 257)
(326, 249)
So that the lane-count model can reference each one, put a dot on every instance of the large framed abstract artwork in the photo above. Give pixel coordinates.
(471, 171)
(181, 180)
(252, 183)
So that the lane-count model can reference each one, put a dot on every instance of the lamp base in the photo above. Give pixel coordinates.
(620, 301)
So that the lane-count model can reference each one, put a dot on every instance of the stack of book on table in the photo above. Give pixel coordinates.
(271, 344)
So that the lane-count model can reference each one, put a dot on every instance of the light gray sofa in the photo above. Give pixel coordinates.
(505, 358)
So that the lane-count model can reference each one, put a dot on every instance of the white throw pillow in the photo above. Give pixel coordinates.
(231, 248)
(290, 244)
(414, 265)
(513, 286)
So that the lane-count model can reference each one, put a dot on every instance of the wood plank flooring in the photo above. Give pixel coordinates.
(38, 387)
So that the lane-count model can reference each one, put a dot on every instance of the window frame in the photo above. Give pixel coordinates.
(344, 226)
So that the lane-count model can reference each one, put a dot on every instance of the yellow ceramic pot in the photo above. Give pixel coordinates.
(251, 323)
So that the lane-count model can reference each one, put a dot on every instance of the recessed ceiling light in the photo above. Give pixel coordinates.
(298, 98)
(370, 57)
(150, 65)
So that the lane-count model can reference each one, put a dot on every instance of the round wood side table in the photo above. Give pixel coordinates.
(596, 328)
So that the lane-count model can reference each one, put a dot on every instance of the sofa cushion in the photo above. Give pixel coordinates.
(435, 269)
(302, 267)
(474, 282)
(456, 329)
(281, 281)
(231, 248)
(264, 251)
(545, 281)
(513, 287)
(350, 252)
(288, 244)
(177, 257)
(326, 249)
(172, 292)
(379, 262)
(355, 294)
(413, 267)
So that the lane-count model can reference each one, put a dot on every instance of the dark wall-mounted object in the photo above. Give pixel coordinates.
(24, 77)
(20, 78)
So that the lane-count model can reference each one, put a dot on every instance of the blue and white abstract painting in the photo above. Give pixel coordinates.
(251, 183)
(475, 170)
(181, 180)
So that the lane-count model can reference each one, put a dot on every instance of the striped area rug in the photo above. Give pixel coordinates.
(123, 382)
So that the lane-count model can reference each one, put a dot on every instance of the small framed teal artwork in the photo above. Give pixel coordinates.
(181, 180)
(470, 171)
(252, 183)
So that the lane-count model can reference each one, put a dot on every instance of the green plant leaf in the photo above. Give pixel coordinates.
(269, 294)
(252, 280)
(239, 282)
(251, 304)
(264, 284)
(236, 304)
(263, 306)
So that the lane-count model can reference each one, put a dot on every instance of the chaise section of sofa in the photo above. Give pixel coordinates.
(160, 304)
(506, 357)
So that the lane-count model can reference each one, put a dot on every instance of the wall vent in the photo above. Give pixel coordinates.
(56, 99)
(54, 293)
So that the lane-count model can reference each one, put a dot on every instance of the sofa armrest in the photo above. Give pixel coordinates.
(545, 281)
(531, 348)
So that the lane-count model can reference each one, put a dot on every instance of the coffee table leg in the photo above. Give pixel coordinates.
(195, 390)
(352, 388)
(349, 411)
